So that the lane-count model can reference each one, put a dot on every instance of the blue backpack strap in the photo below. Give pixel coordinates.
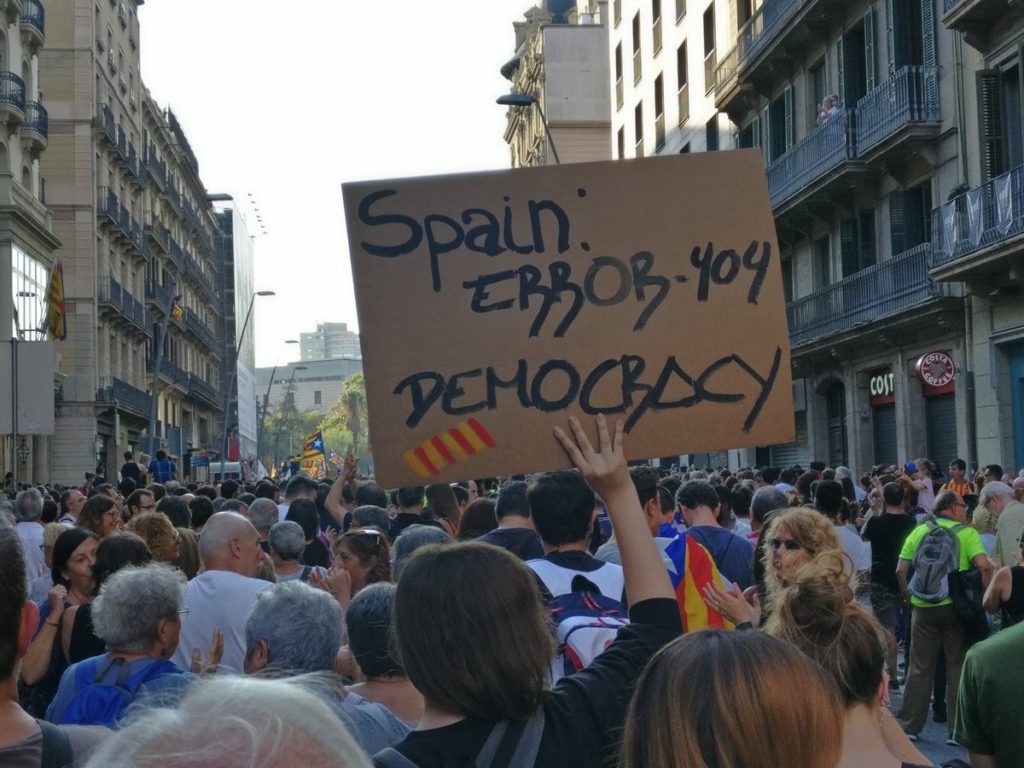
(57, 752)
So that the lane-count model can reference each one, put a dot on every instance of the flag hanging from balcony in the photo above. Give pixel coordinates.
(177, 311)
(56, 311)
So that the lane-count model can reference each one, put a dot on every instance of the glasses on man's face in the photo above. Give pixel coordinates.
(789, 544)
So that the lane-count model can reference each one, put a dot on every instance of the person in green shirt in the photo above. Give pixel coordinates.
(935, 625)
(987, 716)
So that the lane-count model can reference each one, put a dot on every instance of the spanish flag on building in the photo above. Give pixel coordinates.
(56, 310)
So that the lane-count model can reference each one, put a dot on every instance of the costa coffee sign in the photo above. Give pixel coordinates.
(937, 372)
(882, 387)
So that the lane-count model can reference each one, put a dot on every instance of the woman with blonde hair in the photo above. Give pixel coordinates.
(730, 700)
(818, 614)
(795, 539)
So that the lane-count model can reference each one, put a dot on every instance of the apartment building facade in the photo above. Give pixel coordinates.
(28, 245)
(561, 61)
(893, 146)
(137, 228)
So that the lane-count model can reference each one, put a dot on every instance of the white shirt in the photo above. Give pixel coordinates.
(282, 512)
(854, 546)
(217, 600)
(31, 535)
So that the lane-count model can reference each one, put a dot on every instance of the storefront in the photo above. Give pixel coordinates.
(882, 389)
(937, 372)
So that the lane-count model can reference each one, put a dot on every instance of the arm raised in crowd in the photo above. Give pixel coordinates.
(606, 472)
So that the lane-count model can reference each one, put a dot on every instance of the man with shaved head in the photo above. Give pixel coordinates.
(223, 594)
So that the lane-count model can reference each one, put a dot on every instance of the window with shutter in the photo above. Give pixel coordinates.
(890, 37)
(848, 250)
(867, 255)
(869, 48)
(929, 58)
(990, 124)
(790, 116)
(898, 222)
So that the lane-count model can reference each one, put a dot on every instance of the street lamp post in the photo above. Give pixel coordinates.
(287, 392)
(227, 385)
(266, 403)
(527, 100)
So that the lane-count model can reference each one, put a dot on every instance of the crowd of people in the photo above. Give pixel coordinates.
(603, 615)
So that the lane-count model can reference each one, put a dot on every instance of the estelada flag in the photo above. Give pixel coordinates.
(693, 568)
(177, 311)
(314, 447)
(56, 310)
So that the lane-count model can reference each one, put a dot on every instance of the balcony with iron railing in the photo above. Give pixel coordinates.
(157, 233)
(159, 296)
(979, 235)
(904, 106)
(107, 206)
(137, 238)
(12, 97)
(123, 395)
(767, 40)
(977, 19)
(818, 165)
(109, 126)
(36, 128)
(111, 295)
(157, 170)
(122, 147)
(33, 22)
(873, 294)
(196, 325)
(174, 196)
(177, 253)
(170, 372)
(204, 391)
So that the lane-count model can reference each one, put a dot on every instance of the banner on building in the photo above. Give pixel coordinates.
(492, 306)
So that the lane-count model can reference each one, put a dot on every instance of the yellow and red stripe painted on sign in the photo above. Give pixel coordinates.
(445, 448)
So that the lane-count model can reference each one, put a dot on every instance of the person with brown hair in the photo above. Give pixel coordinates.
(481, 656)
(160, 536)
(365, 554)
(100, 515)
(479, 518)
(444, 507)
(721, 698)
(819, 615)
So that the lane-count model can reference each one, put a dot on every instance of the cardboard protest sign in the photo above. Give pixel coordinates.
(494, 305)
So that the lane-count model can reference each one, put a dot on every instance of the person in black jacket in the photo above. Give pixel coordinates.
(474, 638)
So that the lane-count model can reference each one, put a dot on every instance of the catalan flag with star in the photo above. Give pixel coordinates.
(692, 569)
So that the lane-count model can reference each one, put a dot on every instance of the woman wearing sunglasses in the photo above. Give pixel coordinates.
(795, 538)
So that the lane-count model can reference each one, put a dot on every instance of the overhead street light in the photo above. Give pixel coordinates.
(234, 367)
(527, 100)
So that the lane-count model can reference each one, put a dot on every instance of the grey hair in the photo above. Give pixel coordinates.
(231, 505)
(371, 515)
(994, 490)
(301, 626)
(132, 602)
(843, 472)
(227, 721)
(411, 539)
(263, 514)
(28, 505)
(6, 514)
(287, 539)
(765, 500)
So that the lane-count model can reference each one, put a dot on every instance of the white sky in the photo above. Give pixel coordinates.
(288, 100)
